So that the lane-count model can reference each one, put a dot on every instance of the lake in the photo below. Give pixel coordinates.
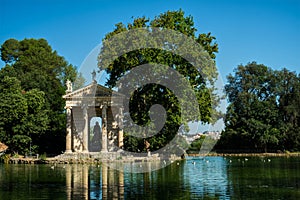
(193, 178)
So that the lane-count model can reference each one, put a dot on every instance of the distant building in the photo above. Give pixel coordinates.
(213, 134)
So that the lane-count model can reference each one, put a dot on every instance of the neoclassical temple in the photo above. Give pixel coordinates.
(82, 106)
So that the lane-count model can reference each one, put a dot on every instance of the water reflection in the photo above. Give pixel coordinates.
(90, 182)
(208, 176)
(190, 179)
(77, 181)
(194, 178)
(265, 178)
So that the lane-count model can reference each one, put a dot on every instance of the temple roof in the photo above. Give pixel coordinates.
(93, 92)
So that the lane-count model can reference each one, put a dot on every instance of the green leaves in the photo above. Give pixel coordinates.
(264, 106)
(175, 20)
(13, 105)
(141, 42)
(21, 114)
(20, 144)
(10, 50)
(32, 88)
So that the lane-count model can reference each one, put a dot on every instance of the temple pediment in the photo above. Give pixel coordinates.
(93, 94)
(92, 90)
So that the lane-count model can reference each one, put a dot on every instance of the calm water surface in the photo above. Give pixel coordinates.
(194, 178)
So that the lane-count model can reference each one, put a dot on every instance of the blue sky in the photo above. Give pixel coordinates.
(266, 31)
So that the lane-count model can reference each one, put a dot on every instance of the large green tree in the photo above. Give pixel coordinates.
(22, 117)
(41, 72)
(264, 110)
(146, 96)
(289, 109)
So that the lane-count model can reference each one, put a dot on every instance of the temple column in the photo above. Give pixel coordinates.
(120, 138)
(120, 133)
(104, 182)
(104, 129)
(69, 182)
(69, 130)
(86, 129)
(85, 182)
(121, 184)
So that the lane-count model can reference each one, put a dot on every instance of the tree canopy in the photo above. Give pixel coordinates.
(32, 85)
(161, 52)
(22, 115)
(263, 114)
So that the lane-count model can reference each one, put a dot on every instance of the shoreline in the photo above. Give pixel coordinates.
(296, 154)
(90, 159)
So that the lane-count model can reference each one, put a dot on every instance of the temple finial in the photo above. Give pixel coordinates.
(69, 86)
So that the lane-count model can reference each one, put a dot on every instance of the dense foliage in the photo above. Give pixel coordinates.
(264, 110)
(264, 104)
(195, 146)
(146, 96)
(31, 104)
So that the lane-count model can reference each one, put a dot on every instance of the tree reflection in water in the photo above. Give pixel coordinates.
(194, 178)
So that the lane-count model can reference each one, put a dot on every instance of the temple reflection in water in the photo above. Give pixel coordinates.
(87, 182)
(104, 182)
(195, 178)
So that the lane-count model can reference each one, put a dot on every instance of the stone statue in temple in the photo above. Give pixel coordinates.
(69, 86)
(97, 137)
